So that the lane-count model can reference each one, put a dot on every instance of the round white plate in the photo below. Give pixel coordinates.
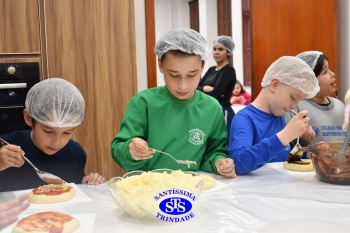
(304, 226)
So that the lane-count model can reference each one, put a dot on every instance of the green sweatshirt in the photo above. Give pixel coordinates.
(187, 129)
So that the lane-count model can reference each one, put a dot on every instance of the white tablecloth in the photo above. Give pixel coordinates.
(243, 204)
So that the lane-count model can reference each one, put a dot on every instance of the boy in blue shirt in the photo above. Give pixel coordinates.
(259, 133)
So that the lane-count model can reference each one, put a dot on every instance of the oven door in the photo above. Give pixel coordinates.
(12, 101)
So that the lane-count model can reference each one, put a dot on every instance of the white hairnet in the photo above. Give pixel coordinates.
(226, 42)
(184, 39)
(293, 72)
(55, 102)
(310, 57)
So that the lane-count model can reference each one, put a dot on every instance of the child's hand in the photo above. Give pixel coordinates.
(226, 167)
(308, 136)
(139, 149)
(11, 156)
(346, 115)
(10, 210)
(242, 100)
(208, 88)
(93, 179)
(296, 127)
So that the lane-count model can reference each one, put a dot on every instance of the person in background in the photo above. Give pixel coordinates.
(10, 210)
(174, 118)
(53, 109)
(346, 111)
(259, 133)
(326, 113)
(239, 95)
(220, 80)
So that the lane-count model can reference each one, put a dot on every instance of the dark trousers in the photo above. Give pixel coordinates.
(229, 114)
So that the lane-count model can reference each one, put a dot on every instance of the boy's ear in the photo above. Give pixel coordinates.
(27, 118)
(273, 84)
(160, 65)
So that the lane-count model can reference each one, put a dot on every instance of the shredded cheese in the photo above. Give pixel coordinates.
(137, 193)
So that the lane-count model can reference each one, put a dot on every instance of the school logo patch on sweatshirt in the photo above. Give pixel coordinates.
(196, 136)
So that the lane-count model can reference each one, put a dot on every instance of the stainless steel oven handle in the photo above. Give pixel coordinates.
(13, 85)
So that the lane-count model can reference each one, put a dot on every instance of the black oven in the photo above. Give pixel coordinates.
(15, 81)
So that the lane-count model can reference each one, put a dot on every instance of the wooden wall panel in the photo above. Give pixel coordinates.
(19, 26)
(224, 17)
(289, 27)
(150, 43)
(194, 15)
(92, 44)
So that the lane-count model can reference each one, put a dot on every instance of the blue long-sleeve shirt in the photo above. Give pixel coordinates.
(253, 139)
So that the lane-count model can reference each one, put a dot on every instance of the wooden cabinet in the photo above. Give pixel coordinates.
(290, 27)
(19, 27)
(92, 44)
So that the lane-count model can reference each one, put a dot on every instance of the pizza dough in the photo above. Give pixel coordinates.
(208, 182)
(51, 193)
(299, 167)
(46, 222)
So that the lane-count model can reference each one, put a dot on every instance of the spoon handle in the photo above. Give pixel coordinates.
(346, 141)
(30, 163)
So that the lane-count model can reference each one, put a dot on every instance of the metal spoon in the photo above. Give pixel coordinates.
(346, 142)
(187, 162)
(296, 147)
(45, 176)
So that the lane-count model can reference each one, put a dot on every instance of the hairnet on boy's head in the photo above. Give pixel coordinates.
(226, 42)
(55, 102)
(310, 57)
(294, 72)
(184, 39)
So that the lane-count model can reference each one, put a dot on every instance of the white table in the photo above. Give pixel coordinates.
(245, 204)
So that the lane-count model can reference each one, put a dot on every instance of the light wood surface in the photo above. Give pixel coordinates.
(19, 26)
(92, 44)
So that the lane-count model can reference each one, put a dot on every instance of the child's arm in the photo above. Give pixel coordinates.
(93, 179)
(249, 148)
(11, 156)
(133, 125)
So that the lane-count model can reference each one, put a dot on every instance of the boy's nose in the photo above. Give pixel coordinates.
(182, 84)
(293, 105)
(56, 141)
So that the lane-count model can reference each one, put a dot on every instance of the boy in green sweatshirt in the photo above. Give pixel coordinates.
(175, 118)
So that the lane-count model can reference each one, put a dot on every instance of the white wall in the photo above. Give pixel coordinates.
(141, 50)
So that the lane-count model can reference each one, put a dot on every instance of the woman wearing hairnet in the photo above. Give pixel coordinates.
(326, 113)
(220, 80)
(174, 118)
(54, 107)
(259, 133)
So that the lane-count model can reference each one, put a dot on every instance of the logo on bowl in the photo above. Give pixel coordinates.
(175, 205)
